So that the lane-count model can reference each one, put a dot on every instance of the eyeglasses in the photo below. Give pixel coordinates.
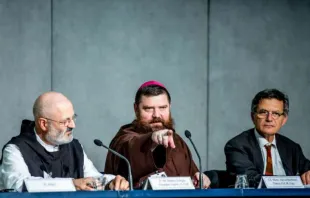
(264, 113)
(66, 122)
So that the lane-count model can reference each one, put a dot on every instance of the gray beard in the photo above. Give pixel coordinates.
(59, 139)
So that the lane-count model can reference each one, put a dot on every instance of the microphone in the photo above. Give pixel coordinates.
(189, 135)
(99, 143)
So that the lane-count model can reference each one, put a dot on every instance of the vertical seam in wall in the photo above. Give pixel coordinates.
(52, 44)
(208, 78)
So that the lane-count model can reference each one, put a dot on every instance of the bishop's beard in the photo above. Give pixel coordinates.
(146, 126)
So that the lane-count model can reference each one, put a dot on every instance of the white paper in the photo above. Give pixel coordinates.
(50, 185)
(171, 183)
(282, 182)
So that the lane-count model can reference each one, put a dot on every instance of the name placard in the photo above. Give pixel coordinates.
(49, 185)
(282, 182)
(171, 183)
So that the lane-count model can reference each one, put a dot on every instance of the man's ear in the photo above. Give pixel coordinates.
(42, 123)
(252, 116)
(136, 108)
(284, 120)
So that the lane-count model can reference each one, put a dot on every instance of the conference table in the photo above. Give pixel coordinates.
(167, 193)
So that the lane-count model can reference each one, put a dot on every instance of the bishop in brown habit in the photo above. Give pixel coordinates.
(150, 142)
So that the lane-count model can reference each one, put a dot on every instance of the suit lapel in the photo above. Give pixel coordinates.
(257, 154)
(283, 155)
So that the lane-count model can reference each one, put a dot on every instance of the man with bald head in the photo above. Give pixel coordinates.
(45, 148)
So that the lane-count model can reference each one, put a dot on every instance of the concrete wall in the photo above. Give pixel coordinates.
(213, 56)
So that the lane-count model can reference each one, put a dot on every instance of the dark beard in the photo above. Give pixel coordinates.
(146, 126)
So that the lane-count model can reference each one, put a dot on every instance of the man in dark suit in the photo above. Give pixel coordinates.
(262, 151)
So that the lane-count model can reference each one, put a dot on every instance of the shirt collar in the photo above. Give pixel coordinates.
(48, 147)
(262, 141)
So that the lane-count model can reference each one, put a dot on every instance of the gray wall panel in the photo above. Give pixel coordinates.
(256, 45)
(103, 50)
(24, 60)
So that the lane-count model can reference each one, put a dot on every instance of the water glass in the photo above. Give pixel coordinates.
(242, 181)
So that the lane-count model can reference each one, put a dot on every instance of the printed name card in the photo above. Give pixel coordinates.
(50, 185)
(171, 183)
(282, 182)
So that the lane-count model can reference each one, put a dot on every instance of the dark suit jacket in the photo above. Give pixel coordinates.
(243, 156)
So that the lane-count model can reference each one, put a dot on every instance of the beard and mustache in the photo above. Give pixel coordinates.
(59, 137)
(146, 125)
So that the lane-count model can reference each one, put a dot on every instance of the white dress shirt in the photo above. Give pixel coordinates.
(277, 165)
(14, 170)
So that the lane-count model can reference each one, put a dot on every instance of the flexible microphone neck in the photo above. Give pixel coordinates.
(99, 143)
(189, 135)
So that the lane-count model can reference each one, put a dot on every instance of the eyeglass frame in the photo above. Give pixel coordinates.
(68, 120)
(264, 114)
